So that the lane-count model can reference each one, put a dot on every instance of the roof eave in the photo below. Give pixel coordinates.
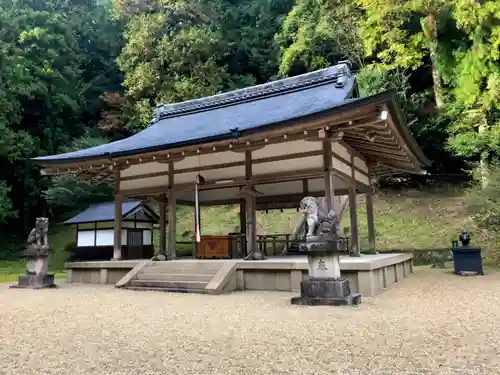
(387, 97)
(405, 130)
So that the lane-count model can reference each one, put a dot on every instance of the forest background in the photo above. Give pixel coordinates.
(77, 73)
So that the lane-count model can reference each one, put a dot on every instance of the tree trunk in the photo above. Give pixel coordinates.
(429, 27)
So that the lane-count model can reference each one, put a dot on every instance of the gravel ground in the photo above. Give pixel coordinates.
(431, 323)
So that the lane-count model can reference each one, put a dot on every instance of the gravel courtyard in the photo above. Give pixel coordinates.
(431, 323)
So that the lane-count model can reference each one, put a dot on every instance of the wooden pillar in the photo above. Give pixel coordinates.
(163, 226)
(117, 241)
(243, 217)
(172, 210)
(353, 210)
(251, 213)
(370, 220)
(328, 167)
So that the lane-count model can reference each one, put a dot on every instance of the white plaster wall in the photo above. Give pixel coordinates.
(147, 237)
(297, 164)
(341, 166)
(85, 238)
(362, 178)
(286, 148)
(124, 237)
(341, 151)
(144, 168)
(360, 164)
(105, 237)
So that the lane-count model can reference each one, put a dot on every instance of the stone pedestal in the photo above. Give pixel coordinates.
(326, 292)
(35, 281)
(37, 267)
(325, 285)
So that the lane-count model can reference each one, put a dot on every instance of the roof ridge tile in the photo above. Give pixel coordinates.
(280, 86)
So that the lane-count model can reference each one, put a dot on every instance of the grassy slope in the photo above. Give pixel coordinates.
(406, 219)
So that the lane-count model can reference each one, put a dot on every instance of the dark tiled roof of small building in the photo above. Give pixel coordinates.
(218, 117)
(99, 212)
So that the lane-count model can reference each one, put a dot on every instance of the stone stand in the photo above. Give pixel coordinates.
(35, 281)
(326, 292)
(37, 265)
(325, 285)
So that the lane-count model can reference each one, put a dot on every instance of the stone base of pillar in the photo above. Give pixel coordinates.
(255, 256)
(326, 292)
(35, 281)
(159, 257)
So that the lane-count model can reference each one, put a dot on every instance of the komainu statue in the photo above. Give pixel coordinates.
(37, 254)
(321, 226)
(325, 285)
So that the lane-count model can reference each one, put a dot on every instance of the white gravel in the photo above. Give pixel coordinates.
(431, 323)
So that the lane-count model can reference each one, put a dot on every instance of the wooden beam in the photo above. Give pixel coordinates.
(237, 182)
(117, 233)
(371, 221)
(305, 187)
(358, 141)
(270, 199)
(251, 213)
(353, 211)
(328, 175)
(270, 159)
(374, 152)
(243, 216)
(163, 225)
(172, 210)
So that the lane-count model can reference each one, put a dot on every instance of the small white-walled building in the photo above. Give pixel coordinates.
(95, 231)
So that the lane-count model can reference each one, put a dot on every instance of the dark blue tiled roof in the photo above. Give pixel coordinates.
(103, 212)
(214, 118)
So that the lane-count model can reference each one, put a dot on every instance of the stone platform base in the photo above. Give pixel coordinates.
(352, 299)
(327, 292)
(35, 281)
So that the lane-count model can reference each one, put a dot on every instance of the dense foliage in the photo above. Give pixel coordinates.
(74, 73)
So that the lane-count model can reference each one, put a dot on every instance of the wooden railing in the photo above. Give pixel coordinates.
(273, 244)
(269, 245)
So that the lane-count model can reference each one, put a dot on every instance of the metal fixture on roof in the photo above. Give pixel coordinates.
(341, 81)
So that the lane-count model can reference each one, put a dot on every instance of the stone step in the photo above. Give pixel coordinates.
(205, 277)
(169, 284)
(185, 266)
(169, 290)
(178, 271)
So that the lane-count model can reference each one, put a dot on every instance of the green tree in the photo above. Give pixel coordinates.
(175, 52)
(403, 34)
(56, 58)
(476, 93)
(317, 34)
